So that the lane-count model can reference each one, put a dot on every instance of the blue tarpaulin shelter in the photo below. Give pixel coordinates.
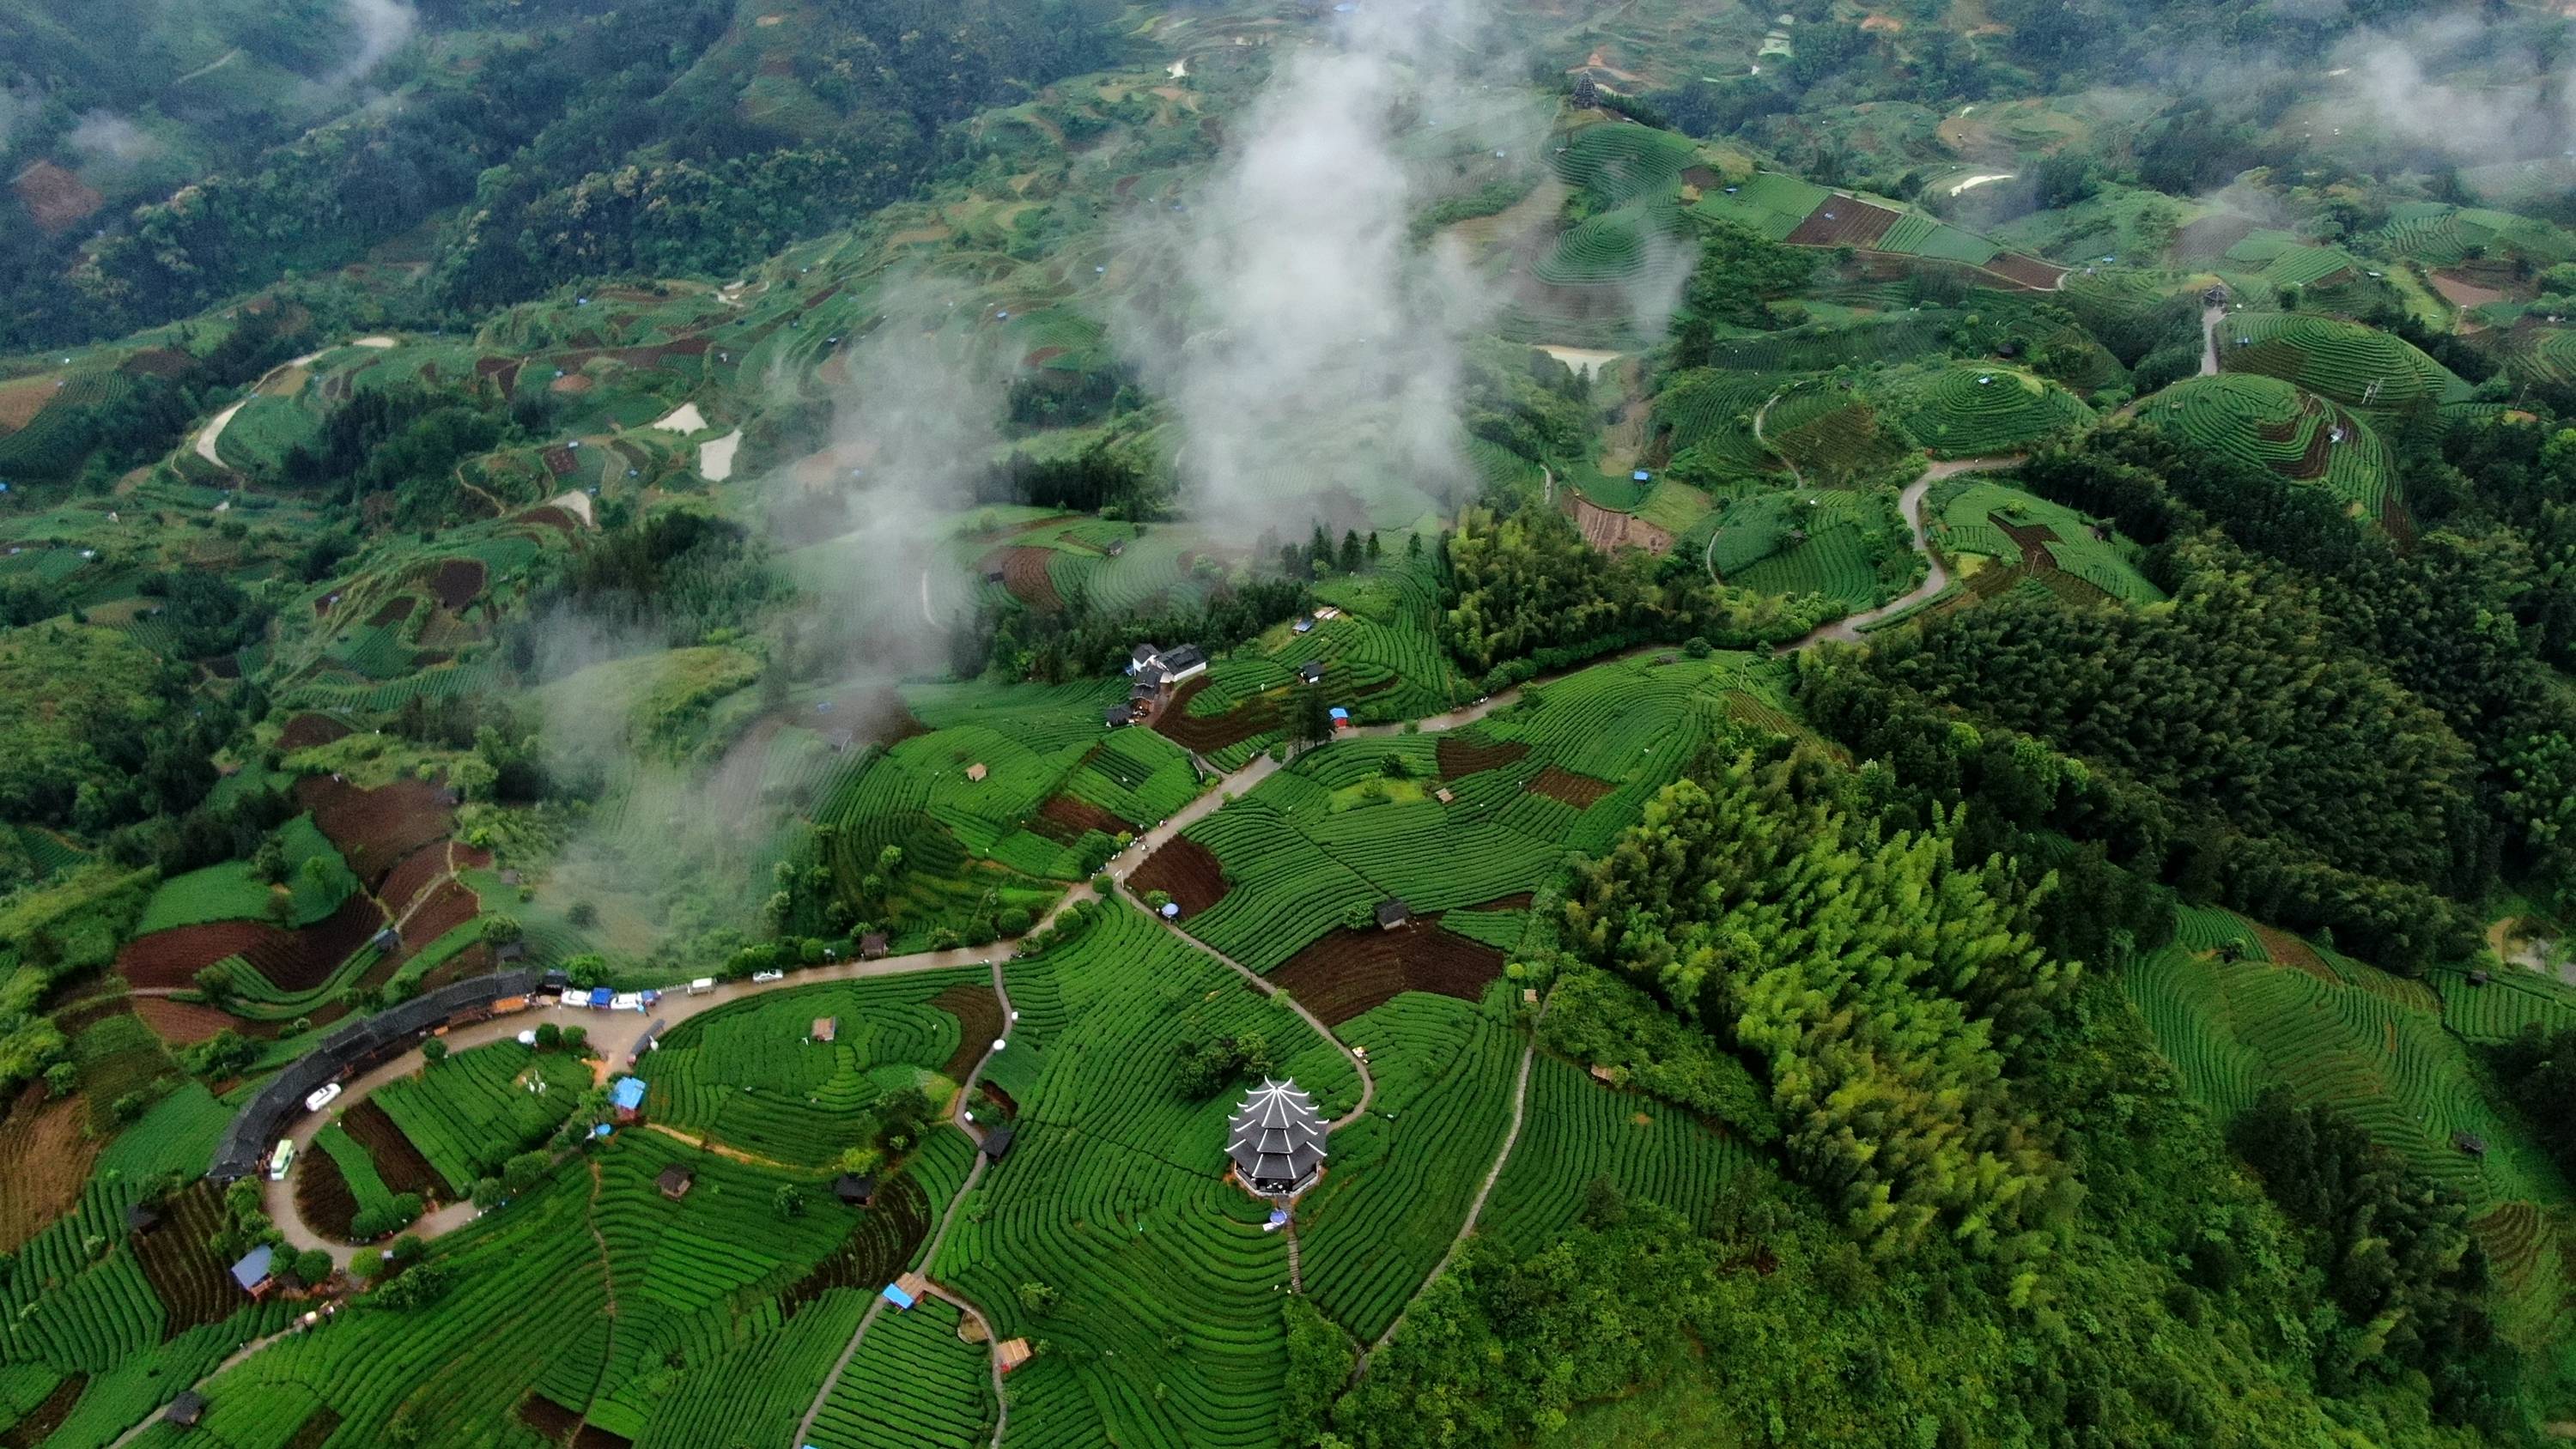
(253, 1270)
(893, 1293)
(628, 1094)
(600, 996)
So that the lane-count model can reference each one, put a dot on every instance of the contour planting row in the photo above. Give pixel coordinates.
(1399, 1181)
(1577, 1132)
(913, 1383)
(1966, 410)
(1164, 1324)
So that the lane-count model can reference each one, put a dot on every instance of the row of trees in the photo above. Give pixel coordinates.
(1528, 587)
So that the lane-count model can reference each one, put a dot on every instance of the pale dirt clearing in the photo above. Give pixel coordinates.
(20, 401)
(715, 457)
(686, 419)
(1587, 362)
(214, 429)
(374, 342)
(1982, 178)
(576, 503)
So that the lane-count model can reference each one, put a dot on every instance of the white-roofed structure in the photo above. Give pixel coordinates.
(1276, 1140)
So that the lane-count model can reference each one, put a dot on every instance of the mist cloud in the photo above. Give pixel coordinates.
(104, 140)
(1303, 339)
(382, 26)
(914, 425)
(2415, 87)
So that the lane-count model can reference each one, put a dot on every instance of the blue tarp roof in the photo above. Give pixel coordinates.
(600, 1130)
(601, 996)
(628, 1093)
(896, 1296)
(1340, 713)
(252, 1271)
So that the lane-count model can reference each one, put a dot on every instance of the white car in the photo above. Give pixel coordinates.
(322, 1097)
(759, 976)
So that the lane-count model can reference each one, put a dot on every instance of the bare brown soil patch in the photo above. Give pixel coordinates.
(1843, 221)
(450, 905)
(2290, 951)
(875, 1251)
(181, 1023)
(1066, 817)
(1351, 971)
(419, 871)
(560, 460)
(376, 828)
(1579, 791)
(175, 956)
(21, 400)
(323, 1197)
(178, 1259)
(2460, 292)
(551, 517)
(47, 1416)
(456, 582)
(979, 1021)
(303, 960)
(316, 1430)
(45, 1152)
(591, 1436)
(1042, 356)
(503, 371)
(1459, 755)
(1184, 870)
(55, 198)
(551, 1421)
(570, 382)
(1516, 901)
(1610, 531)
(395, 611)
(2032, 539)
(1024, 573)
(1214, 732)
(397, 1161)
(2028, 272)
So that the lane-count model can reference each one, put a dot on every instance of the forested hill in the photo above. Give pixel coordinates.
(548, 140)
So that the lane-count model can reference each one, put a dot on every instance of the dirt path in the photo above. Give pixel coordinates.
(1476, 1208)
(231, 1361)
(730, 1154)
(1936, 576)
(2210, 317)
(1368, 1084)
(930, 1253)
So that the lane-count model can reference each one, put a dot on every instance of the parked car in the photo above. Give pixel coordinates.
(759, 976)
(321, 1096)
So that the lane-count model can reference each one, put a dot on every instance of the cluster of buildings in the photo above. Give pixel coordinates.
(1155, 674)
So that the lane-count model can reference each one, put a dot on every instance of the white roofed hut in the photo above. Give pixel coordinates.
(1276, 1140)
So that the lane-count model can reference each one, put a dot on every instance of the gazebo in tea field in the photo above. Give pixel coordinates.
(1276, 1140)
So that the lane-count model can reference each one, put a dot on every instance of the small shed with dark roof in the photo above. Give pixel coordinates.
(1392, 913)
(675, 1182)
(2470, 1143)
(997, 1143)
(142, 1218)
(186, 1410)
(872, 945)
(855, 1189)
